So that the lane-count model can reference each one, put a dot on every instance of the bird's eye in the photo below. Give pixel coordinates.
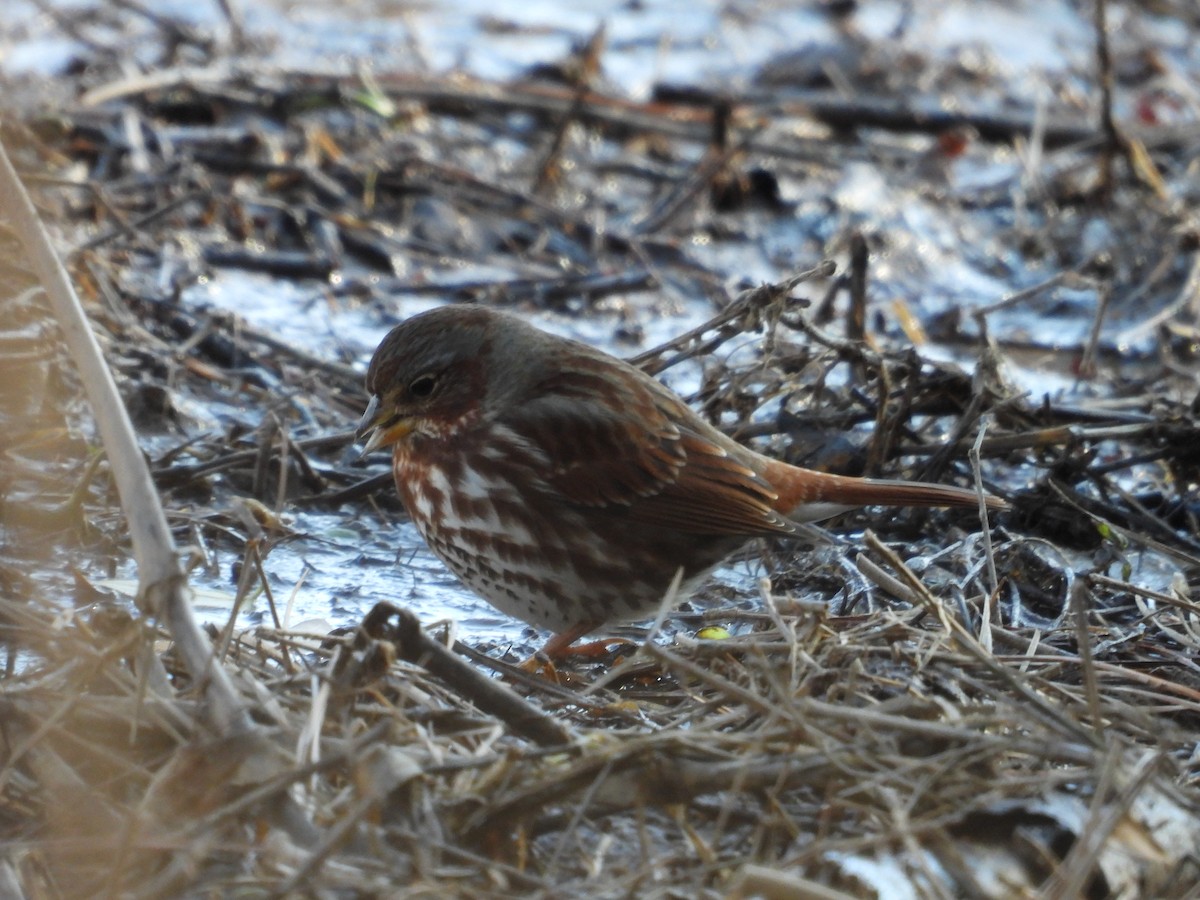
(423, 385)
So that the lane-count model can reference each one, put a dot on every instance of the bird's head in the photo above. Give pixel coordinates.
(438, 373)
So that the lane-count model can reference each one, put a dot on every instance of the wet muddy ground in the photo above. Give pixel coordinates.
(247, 202)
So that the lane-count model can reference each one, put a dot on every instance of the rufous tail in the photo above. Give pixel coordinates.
(808, 496)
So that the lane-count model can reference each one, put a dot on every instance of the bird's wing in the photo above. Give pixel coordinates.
(611, 441)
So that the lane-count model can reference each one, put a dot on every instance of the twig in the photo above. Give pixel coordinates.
(856, 316)
(588, 62)
(1083, 639)
(1114, 142)
(415, 646)
(749, 304)
(977, 470)
(1087, 362)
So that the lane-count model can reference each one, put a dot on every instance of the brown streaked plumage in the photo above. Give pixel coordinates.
(567, 487)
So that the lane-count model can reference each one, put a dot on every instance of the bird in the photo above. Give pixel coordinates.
(567, 487)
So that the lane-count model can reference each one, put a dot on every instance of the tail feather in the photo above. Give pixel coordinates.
(807, 496)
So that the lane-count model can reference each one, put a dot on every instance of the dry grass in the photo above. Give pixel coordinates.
(847, 750)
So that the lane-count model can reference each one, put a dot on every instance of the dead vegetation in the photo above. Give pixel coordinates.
(927, 706)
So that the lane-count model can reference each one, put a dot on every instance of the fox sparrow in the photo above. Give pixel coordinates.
(568, 488)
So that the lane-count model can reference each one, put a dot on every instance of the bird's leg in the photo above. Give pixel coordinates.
(559, 646)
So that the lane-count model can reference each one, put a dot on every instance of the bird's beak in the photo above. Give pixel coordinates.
(378, 431)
